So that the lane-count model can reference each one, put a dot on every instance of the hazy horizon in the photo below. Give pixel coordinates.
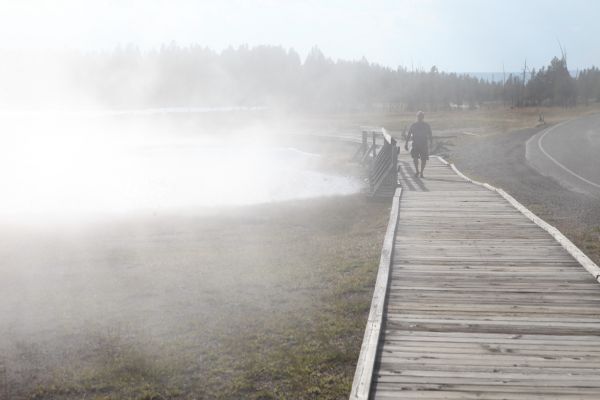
(461, 36)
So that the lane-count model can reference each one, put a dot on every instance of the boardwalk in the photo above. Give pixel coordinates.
(480, 302)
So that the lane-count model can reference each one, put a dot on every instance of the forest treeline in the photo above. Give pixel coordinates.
(273, 76)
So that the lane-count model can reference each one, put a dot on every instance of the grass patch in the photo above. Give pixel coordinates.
(257, 302)
(587, 238)
(483, 121)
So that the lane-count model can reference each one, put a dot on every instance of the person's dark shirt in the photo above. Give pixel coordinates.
(420, 132)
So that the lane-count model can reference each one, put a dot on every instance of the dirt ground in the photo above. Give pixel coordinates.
(500, 161)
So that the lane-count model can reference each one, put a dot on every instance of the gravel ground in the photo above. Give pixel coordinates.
(500, 161)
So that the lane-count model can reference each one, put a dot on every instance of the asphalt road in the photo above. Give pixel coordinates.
(569, 153)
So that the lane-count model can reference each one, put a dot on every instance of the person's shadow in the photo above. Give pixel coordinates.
(409, 178)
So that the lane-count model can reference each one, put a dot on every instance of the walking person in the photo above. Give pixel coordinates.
(422, 138)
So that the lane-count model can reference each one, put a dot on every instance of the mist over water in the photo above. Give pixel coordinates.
(113, 233)
(60, 168)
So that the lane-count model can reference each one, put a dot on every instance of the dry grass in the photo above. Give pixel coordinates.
(483, 121)
(253, 302)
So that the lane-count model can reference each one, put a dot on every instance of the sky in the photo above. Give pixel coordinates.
(454, 35)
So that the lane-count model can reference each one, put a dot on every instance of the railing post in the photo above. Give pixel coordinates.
(374, 145)
(365, 146)
(383, 165)
(395, 152)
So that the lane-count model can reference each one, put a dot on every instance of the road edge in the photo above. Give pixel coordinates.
(534, 145)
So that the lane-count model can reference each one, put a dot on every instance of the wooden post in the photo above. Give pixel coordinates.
(374, 146)
(395, 152)
(365, 146)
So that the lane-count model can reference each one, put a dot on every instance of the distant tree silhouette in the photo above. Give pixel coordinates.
(273, 76)
(552, 86)
(588, 84)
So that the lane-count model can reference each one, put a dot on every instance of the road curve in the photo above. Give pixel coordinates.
(570, 153)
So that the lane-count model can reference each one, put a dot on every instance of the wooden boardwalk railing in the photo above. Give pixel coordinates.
(379, 151)
(477, 298)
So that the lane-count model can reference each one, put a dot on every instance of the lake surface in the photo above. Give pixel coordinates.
(52, 169)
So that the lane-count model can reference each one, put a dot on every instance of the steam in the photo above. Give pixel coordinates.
(109, 214)
(56, 168)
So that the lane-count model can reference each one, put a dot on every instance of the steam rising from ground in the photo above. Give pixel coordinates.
(112, 233)
(63, 168)
(134, 250)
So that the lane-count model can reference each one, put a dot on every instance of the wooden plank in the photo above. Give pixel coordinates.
(491, 381)
(465, 392)
(491, 336)
(496, 347)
